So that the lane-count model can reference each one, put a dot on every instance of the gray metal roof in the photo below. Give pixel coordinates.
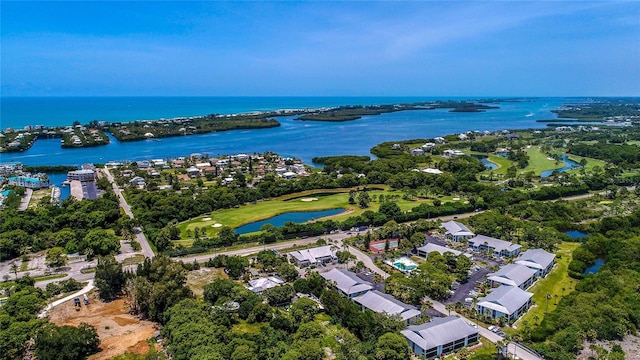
(346, 281)
(505, 299)
(385, 303)
(439, 331)
(262, 284)
(313, 254)
(496, 244)
(429, 248)
(512, 274)
(456, 228)
(536, 259)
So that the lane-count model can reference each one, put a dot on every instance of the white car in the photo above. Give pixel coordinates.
(491, 328)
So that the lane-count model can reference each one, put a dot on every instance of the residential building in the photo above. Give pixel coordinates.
(440, 336)
(537, 259)
(508, 301)
(314, 256)
(81, 175)
(386, 304)
(262, 284)
(495, 246)
(347, 282)
(425, 250)
(513, 275)
(457, 231)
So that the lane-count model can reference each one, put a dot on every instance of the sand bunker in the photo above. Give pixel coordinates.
(206, 219)
(456, 199)
(216, 225)
(308, 199)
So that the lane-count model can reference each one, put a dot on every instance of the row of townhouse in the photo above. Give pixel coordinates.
(433, 339)
(509, 299)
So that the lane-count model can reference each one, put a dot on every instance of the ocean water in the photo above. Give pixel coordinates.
(301, 139)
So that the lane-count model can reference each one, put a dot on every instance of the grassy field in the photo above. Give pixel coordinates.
(591, 163)
(553, 284)
(502, 162)
(539, 162)
(304, 201)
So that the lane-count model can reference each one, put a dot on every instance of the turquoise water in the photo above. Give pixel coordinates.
(296, 217)
(6, 193)
(58, 179)
(569, 165)
(26, 179)
(300, 139)
(576, 234)
(401, 266)
(593, 269)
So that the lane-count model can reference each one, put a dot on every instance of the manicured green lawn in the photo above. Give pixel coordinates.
(502, 162)
(539, 162)
(553, 284)
(293, 202)
(591, 163)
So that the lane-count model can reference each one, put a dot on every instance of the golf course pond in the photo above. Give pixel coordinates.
(294, 216)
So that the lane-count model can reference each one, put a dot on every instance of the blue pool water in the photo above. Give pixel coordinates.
(593, 269)
(6, 193)
(296, 217)
(569, 165)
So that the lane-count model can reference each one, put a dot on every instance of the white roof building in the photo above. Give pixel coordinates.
(440, 336)
(507, 301)
(537, 259)
(425, 250)
(513, 275)
(497, 246)
(347, 282)
(314, 255)
(262, 284)
(387, 304)
(457, 231)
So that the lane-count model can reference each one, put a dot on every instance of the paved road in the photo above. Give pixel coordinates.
(26, 199)
(140, 237)
(80, 292)
(512, 348)
(366, 259)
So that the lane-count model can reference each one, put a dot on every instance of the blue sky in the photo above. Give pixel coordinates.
(353, 48)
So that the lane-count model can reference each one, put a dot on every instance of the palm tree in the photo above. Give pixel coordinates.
(556, 299)
(475, 310)
(516, 339)
(449, 307)
(563, 289)
(501, 344)
(548, 296)
(14, 269)
(487, 313)
(536, 318)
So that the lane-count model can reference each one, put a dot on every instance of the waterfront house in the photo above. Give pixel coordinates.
(440, 336)
(314, 256)
(494, 246)
(537, 259)
(386, 304)
(457, 231)
(81, 175)
(347, 282)
(513, 275)
(29, 182)
(428, 146)
(507, 301)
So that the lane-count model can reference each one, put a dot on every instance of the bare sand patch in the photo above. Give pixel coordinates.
(118, 330)
(216, 225)
(206, 219)
(309, 199)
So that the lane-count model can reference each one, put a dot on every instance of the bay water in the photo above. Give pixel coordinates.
(294, 138)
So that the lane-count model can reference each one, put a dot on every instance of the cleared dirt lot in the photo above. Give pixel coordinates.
(119, 331)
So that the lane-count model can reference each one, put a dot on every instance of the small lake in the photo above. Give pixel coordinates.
(485, 161)
(569, 165)
(576, 234)
(279, 220)
(593, 269)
